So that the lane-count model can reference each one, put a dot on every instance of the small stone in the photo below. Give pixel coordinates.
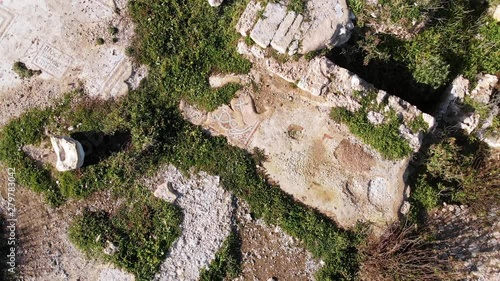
(375, 118)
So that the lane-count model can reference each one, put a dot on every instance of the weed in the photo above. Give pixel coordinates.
(113, 30)
(226, 265)
(298, 6)
(403, 252)
(24, 72)
(384, 138)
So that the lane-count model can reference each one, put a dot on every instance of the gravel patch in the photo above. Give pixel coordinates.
(207, 212)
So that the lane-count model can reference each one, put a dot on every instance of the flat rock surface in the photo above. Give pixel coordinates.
(59, 39)
(265, 28)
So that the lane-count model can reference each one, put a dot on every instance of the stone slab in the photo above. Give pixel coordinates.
(265, 28)
(248, 18)
(278, 42)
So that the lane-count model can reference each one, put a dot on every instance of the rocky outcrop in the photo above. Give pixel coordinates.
(456, 109)
(334, 86)
(69, 152)
(329, 26)
(325, 23)
(496, 13)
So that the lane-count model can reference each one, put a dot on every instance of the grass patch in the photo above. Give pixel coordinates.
(384, 138)
(457, 170)
(23, 71)
(142, 232)
(226, 265)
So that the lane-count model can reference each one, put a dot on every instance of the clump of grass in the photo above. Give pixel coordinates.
(384, 138)
(403, 252)
(298, 6)
(418, 124)
(227, 262)
(23, 71)
(142, 233)
(99, 41)
(113, 30)
(458, 170)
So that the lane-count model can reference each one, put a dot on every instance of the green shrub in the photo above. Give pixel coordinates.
(298, 6)
(99, 41)
(24, 72)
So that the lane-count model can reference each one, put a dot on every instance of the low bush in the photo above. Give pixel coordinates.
(23, 71)
(403, 252)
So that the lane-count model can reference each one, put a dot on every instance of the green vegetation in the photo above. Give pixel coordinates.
(182, 42)
(113, 30)
(297, 6)
(457, 170)
(226, 265)
(384, 138)
(418, 124)
(417, 63)
(142, 231)
(24, 72)
(99, 41)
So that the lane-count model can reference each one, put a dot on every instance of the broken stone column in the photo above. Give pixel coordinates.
(69, 152)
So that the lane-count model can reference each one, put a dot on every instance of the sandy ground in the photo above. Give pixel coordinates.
(44, 249)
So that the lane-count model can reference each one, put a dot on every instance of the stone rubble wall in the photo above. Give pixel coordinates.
(451, 110)
(334, 86)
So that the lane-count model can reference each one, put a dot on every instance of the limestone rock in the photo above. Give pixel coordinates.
(482, 92)
(375, 118)
(379, 193)
(414, 140)
(496, 14)
(316, 78)
(405, 208)
(492, 140)
(286, 32)
(215, 3)
(248, 18)
(330, 25)
(69, 152)
(469, 123)
(110, 249)
(429, 119)
(166, 192)
(265, 28)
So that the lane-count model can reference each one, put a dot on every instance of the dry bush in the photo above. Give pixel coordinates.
(403, 252)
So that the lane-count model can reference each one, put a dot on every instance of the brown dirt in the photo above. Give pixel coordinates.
(45, 252)
(353, 157)
(268, 252)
